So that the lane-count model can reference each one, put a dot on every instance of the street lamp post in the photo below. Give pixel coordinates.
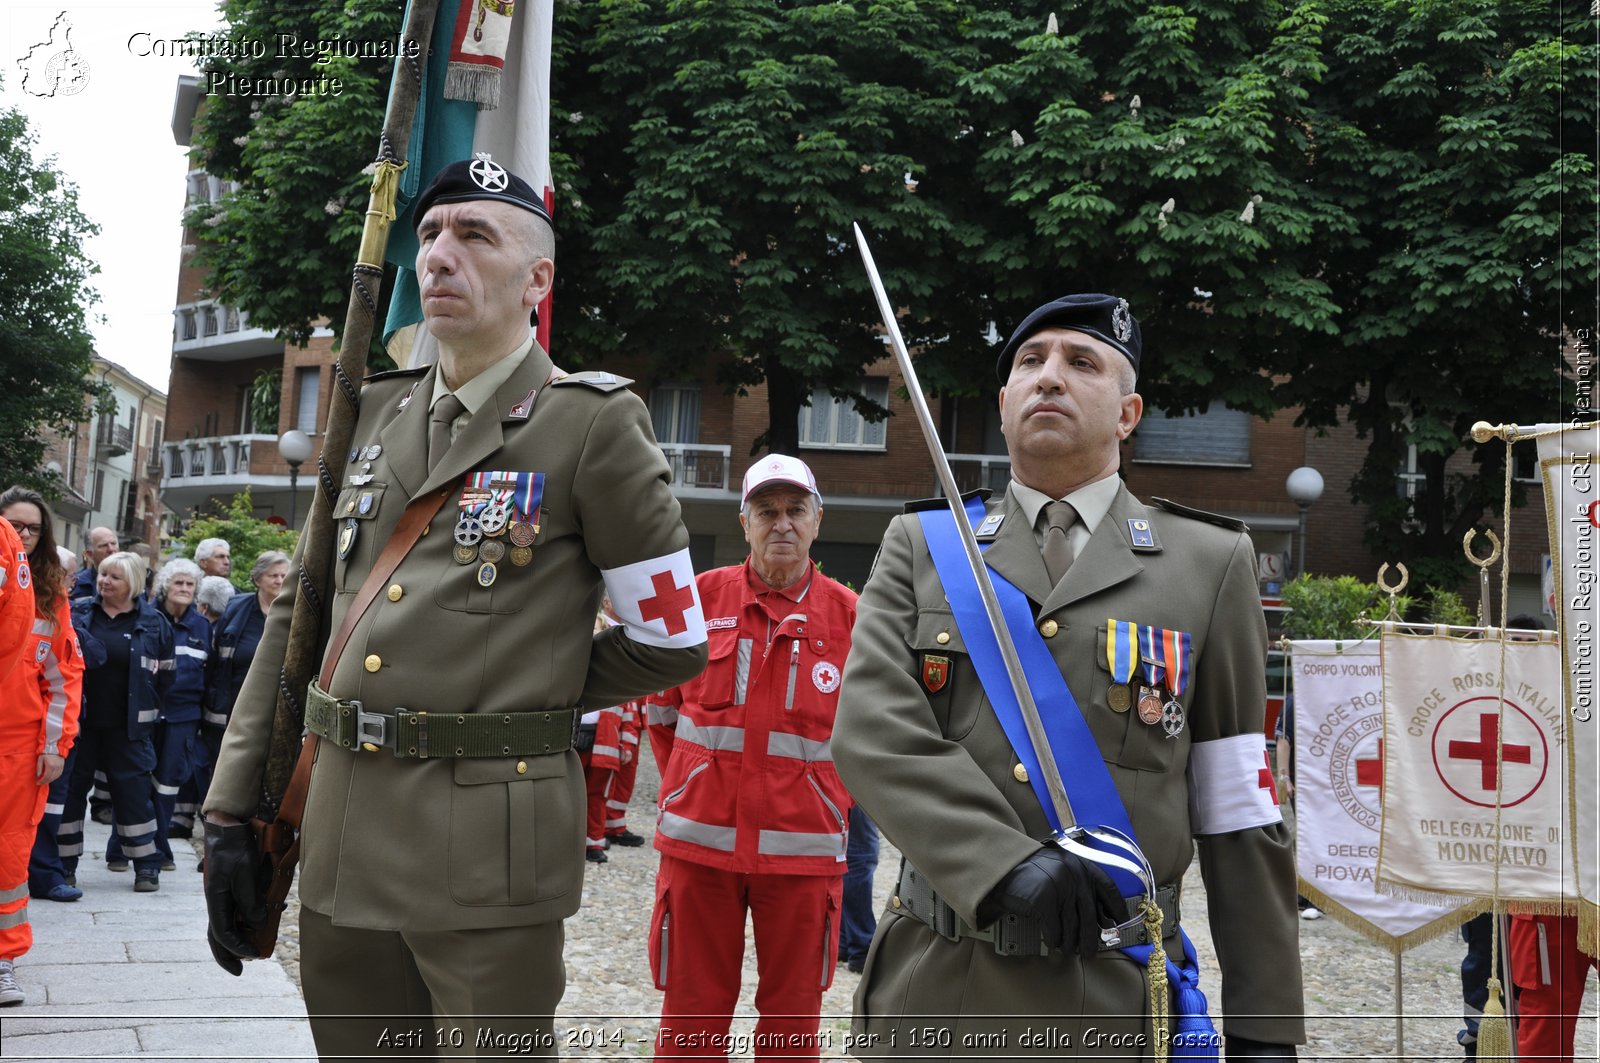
(294, 447)
(1305, 487)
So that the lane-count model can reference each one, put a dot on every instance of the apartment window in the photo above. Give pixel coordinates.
(831, 422)
(675, 413)
(1219, 436)
(307, 382)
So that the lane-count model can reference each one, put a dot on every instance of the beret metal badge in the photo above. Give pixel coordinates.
(490, 175)
(1122, 321)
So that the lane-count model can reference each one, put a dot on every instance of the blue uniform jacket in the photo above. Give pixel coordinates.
(191, 638)
(151, 666)
(233, 648)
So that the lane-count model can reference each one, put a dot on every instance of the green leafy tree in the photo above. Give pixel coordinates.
(281, 245)
(1457, 141)
(1333, 607)
(46, 351)
(247, 536)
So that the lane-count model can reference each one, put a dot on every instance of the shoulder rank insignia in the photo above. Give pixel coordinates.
(990, 526)
(599, 381)
(1221, 521)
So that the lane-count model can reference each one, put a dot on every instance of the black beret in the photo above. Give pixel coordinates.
(1105, 317)
(480, 178)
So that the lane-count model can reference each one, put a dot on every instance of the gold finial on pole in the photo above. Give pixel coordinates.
(1483, 431)
(1483, 564)
(1394, 591)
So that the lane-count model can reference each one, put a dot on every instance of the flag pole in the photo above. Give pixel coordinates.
(315, 553)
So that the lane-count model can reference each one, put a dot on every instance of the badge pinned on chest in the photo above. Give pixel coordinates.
(990, 526)
(347, 537)
(825, 676)
(935, 672)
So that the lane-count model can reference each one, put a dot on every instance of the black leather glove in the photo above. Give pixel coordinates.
(1071, 898)
(1244, 1048)
(234, 892)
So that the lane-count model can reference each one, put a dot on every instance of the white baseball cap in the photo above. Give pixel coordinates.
(779, 469)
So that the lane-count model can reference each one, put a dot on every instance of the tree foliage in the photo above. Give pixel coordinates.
(246, 534)
(46, 351)
(281, 245)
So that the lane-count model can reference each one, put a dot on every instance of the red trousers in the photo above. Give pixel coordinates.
(697, 953)
(621, 793)
(1549, 971)
(21, 806)
(596, 784)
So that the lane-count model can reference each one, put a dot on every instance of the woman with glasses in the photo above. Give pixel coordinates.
(39, 700)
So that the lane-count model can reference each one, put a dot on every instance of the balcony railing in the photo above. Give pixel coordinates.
(218, 456)
(698, 464)
(973, 471)
(208, 329)
(113, 439)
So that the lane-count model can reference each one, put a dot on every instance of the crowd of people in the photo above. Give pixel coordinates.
(114, 693)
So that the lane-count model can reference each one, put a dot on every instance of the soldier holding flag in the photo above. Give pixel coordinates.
(442, 839)
(1149, 619)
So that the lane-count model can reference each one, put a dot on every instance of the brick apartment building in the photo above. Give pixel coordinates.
(1224, 461)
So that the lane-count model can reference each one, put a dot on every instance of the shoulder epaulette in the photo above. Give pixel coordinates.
(394, 374)
(1221, 521)
(923, 504)
(596, 379)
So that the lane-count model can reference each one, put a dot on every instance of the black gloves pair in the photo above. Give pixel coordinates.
(236, 880)
(1070, 897)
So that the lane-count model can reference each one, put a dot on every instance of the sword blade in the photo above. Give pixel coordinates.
(991, 605)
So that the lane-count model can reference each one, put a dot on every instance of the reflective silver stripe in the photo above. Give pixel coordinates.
(149, 715)
(52, 810)
(55, 709)
(163, 788)
(619, 806)
(136, 851)
(16, 918)
(190, 651)
(44, 627)
(7, 896)
(629, 738)
(70, 828)
(165, 664)
(660, 715)
(1544, 955)
(606, 751)
(218, 718)
(672, 825)
(728, 739)
(70, 849)
(225, 652)
(782, 744)
(794, 668)
(795, 843)
(741, 675)
(136, 829)
(590, 717)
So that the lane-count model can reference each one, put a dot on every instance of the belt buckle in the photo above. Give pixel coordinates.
(372, 729)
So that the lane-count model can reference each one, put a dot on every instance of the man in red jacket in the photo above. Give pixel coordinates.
(752, 814)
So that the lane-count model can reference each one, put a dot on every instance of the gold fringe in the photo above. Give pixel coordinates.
(1565, 906)
(1494, 1029)
(1589, 928)
(1156, 976)
(1391, 888)
(470, 81)
(1395, 943)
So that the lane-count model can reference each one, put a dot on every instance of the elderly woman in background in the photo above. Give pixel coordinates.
(121, 702)
(177, 731)
(213, 596)
(38, 720)
(234, 647)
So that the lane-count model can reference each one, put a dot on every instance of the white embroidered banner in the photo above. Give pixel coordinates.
(1572, 506)
(1338, 755)
(1473, 785)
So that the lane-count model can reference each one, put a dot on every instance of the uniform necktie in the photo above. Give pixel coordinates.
(445, 411)
(1057, 554)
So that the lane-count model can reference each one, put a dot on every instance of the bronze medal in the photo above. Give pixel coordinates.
(522, 533)
(1150, 706)
(521, 556)
(491, 550)
(1119, 698)
(464, 555)
(486, 574)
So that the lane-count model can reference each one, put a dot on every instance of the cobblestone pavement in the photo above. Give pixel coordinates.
(610, 1008)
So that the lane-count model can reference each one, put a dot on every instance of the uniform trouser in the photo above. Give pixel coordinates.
(22, 802)
(596, 783)
(697, 953)
(177, 748)
(460, 994)
(1549, 972)
(856, 921)
(45, 869)
(1475, 967)
(129, 764)
(206, 761)
(620, 794)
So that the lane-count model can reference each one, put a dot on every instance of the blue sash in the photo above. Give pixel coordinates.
(1093, 795)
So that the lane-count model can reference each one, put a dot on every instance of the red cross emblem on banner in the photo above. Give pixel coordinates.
(1370, 772)
(1483, 755)
(669, 604)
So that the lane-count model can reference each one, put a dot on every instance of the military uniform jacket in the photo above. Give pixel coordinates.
(920, 748)
(447, 843)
